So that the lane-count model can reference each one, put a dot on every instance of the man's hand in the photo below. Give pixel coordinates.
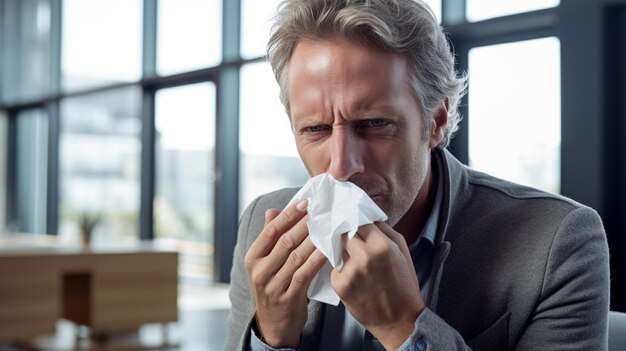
(281, 264)
(378, 285)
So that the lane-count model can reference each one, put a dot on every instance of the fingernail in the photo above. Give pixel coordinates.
(302, 205)
(267, 215)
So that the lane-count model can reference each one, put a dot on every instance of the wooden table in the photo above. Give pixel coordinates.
(110, 290)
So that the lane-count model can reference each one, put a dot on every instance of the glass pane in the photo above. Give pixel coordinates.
(515, 112)
(256, 22)
(185, 176)
(32, 170)
(26, 51)
(100, 158)
(189, 35)
(478, 10)
(269, 158)
(435, 5)
(4, 126)
(101, 42)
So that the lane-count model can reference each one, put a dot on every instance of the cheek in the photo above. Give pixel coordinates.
(315, 159)
(406, 165)
(392, 158)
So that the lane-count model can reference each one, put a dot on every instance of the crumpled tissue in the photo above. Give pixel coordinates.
(334, 208)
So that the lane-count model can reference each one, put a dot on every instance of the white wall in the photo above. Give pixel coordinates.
(3, 169)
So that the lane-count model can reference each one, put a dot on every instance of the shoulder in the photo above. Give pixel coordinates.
(253, 218)
(477, 198)
(276, 199)
(504, 196)
(539, 227)
(488, 209)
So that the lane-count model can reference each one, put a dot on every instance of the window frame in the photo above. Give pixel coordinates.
(579, 25)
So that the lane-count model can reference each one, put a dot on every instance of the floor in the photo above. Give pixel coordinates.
(203, 311)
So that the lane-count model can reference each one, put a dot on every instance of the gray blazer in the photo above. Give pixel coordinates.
(514, 269)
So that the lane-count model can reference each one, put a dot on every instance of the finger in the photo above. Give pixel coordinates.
(277, 227)
(345, 256)
(371, 234)
(396, 237)
(279, 254)
(270, 214)
(303, 277)
(368, 235)
(355, 247)
(289, 241)
(296, 259)
(373, 242)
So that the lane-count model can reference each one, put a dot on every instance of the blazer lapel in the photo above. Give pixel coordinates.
(441, 253)
(453, 183)
(312, 332)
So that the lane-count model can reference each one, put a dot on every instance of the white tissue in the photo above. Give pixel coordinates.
(334, 208)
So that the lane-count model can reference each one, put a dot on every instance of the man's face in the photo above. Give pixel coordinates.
(355, 116)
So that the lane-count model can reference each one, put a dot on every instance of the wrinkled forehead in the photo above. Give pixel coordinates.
(327, 76)
(346, 66)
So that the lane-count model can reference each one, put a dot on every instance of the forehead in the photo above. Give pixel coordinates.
(335, 54)
(337, 72)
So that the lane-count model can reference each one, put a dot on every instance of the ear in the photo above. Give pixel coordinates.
(439, 121)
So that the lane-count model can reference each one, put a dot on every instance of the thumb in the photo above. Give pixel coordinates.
(396, 237)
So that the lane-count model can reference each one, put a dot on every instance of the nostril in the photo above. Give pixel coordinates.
(345, 168)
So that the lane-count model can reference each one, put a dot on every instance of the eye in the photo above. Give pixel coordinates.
(315, 129)
(373, 123)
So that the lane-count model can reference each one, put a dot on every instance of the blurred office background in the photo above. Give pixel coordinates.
(161, 117)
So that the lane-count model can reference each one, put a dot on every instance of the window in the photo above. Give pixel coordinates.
(185, 174)
(256, 19)
(269, 159)
(100, 164)
(27, 57)
(32, 170)
(189, 35)
(478, 10)
(3, 168)
(513, 87)
(515, 112)
(101, 42)
(435, 5)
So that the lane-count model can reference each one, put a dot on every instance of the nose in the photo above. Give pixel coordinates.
(346, 155)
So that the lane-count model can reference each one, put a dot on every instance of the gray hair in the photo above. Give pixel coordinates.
(402, 26)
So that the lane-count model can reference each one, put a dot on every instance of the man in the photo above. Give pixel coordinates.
(464, 261)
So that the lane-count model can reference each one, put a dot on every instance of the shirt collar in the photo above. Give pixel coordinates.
(430, 228)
